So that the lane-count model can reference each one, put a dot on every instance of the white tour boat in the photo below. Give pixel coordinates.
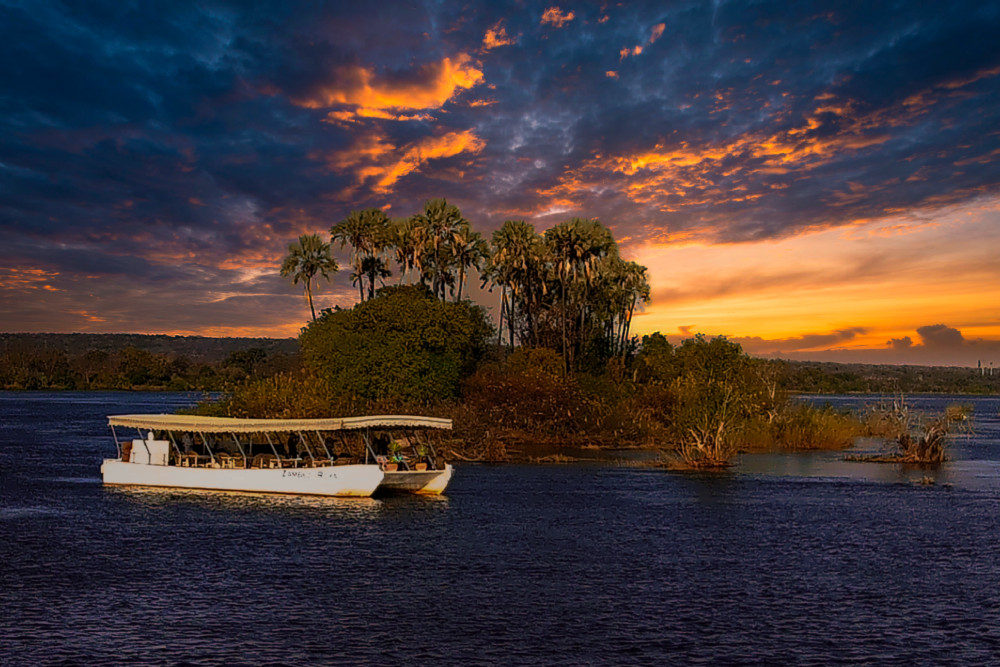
(353, 456)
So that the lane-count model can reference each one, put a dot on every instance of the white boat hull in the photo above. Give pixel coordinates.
(423, 482)
(347, 480)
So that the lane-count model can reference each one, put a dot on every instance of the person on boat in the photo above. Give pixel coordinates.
(188, 442)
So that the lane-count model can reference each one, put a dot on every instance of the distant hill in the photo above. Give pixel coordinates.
(200, 349)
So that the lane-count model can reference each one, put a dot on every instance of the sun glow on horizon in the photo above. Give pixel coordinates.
(884, 278)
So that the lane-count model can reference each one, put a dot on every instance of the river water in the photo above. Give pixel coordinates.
(797, 559)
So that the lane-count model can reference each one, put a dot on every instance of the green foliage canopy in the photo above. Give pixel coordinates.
(404, 344)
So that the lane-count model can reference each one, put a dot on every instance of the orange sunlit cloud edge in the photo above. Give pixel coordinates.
(699, 137)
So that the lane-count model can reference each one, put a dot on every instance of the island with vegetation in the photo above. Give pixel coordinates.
(558, 372)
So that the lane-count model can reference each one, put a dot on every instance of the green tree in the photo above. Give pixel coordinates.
(403, 344)
(307, 258)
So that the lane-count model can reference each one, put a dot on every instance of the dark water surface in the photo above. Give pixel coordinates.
(801, 559)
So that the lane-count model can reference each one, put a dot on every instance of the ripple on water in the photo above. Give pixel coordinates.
(518, 565)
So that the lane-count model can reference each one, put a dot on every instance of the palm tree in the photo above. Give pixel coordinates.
(576, 246)
(367, 232)
(637, 291)
(517, 265)
(372, 269)
(407, 239)
(439, 220)
(469, 251)
(306, 258)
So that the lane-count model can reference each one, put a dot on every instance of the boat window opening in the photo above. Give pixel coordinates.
(432, 452)
(322, 442)
(347, 446)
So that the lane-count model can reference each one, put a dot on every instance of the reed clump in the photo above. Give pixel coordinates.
(804, 427)
(912, 436)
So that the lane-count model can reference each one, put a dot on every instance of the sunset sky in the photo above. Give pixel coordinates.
(815, 181)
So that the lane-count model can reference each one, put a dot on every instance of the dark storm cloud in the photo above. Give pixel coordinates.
(188, 141)
(940, 345)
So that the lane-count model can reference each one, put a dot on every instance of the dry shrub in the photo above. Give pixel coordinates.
(285, 396)
(706, 419)
(915, 437)
(531, 401)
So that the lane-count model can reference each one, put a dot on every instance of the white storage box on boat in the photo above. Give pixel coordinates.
(151, 452)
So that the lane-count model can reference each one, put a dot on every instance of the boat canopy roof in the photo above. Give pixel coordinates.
(197, 423)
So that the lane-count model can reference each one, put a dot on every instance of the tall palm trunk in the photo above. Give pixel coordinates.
(503, 306)
(309, 295)
(510, 321)
(565, 344)
(628, 326)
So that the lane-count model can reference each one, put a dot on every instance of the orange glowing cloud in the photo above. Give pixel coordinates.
(687, 174)
(556, 17)
(365, 95)
(626, 52)
(27, 279)
(497, 36)
(374, 159)
(654, 35)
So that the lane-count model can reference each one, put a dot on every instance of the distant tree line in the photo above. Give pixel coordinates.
(115, 361)
(833, 378)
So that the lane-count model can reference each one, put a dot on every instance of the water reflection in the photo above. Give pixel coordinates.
(776, 561)
(248, 502)
(397, 505)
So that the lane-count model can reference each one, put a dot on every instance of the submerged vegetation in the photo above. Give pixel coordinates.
(913, 437)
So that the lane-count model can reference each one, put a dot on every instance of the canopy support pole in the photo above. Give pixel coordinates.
(240, 447)
(322, 441)
(305, 444)
(208, 448)
(177, 447)
(268, 437)
(117, 444)
(142, 438)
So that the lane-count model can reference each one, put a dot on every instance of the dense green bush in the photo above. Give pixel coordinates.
(404, 344)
